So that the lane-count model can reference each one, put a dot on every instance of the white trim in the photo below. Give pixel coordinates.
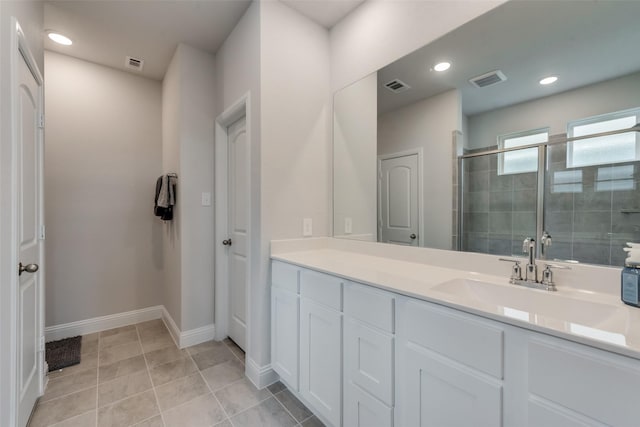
(410, 152)
(102, 323)
(174, 331)
(197, 336)
(260, 376)
(240, 108)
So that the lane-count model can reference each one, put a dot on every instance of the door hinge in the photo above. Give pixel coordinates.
(42, 232)
(41, 121)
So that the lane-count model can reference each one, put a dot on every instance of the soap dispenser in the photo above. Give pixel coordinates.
(630, 281)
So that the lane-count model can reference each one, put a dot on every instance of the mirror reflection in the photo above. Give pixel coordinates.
(433, 158)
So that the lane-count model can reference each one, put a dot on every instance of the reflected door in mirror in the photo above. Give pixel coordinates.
(399, 200)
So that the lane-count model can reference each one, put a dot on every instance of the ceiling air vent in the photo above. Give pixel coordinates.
(397, 86)
(488, 79)
(134, 63)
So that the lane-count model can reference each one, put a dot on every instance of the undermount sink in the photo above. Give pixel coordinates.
(526, 304)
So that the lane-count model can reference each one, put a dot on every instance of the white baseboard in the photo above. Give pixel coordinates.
(197, 336)
(171, 326)
(97, 324)
(260, 376)
(190, 337)
(103, 323)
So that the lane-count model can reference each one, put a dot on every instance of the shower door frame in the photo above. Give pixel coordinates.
(542, 162)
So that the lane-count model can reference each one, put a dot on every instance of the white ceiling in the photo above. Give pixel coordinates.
(324, 12)
(581, 42)
(106, 31)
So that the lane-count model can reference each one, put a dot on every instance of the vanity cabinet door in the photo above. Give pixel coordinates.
(368, 359)
(363, 410)
(285, 335)
(321, 359)
(434, 391)
(569, 381)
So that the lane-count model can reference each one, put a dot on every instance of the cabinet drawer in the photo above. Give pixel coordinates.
(591, 382)
(467, 339)
(362, 410)
(370, 305)
(285, 276)
(368, 359)
(321, 288)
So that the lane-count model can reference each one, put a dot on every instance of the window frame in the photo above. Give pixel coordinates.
(596, 119)
(504, 137)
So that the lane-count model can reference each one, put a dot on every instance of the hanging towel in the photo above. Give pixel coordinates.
(165, 198)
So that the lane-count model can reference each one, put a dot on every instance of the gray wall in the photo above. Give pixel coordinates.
(428, 124)
(555, 111)
(103, 154)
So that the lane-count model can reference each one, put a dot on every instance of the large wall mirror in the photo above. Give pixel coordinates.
(482, 154)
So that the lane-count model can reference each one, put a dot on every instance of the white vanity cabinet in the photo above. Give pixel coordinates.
(321, 343)
(368, 356)
(574, 385)
(285, 322)
(359, 356)
(449, 367)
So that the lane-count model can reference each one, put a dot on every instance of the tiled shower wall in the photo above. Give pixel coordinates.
(499, 210)
(590, 212)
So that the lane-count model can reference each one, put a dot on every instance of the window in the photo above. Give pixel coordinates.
(623, 147)
(520, 161)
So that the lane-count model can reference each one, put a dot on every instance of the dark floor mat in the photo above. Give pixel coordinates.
(63, 353)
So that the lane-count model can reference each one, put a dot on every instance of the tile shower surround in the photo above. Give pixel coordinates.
(136, 376)
(585, 224)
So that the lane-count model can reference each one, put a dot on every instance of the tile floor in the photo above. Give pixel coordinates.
(136, 376)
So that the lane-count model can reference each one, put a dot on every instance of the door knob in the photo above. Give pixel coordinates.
(226, 242)
(29, 268)
(413, 236)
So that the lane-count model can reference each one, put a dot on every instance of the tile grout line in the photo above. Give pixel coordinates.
(282, 404)
(97, 376)
(212, 392)
(153, 386)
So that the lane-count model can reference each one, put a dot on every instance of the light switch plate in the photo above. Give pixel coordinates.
(307, 227)
(206, 199)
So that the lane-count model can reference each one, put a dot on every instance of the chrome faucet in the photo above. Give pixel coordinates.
(531, 269)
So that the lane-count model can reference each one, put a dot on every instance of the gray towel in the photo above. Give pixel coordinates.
(166, 194)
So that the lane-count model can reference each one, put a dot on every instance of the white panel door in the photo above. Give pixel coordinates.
(285, 309)
(435, 392)
(29, 147)
(321, 359)
(399, 200)
(238, 192)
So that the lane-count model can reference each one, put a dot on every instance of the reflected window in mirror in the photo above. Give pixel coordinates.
(624, 147)
(520, 161)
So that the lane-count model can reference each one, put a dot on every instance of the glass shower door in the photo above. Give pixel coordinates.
(499, 200)
(590, 211)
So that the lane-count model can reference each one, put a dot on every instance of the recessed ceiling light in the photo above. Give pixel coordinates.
(442, 66)
(548, 80)
(60, 39)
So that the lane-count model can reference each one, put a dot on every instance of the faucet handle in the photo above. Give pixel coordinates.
(547, 275)
(527, 244)
(516, 270)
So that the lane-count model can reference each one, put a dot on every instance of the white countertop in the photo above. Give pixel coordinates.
(598, 319)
